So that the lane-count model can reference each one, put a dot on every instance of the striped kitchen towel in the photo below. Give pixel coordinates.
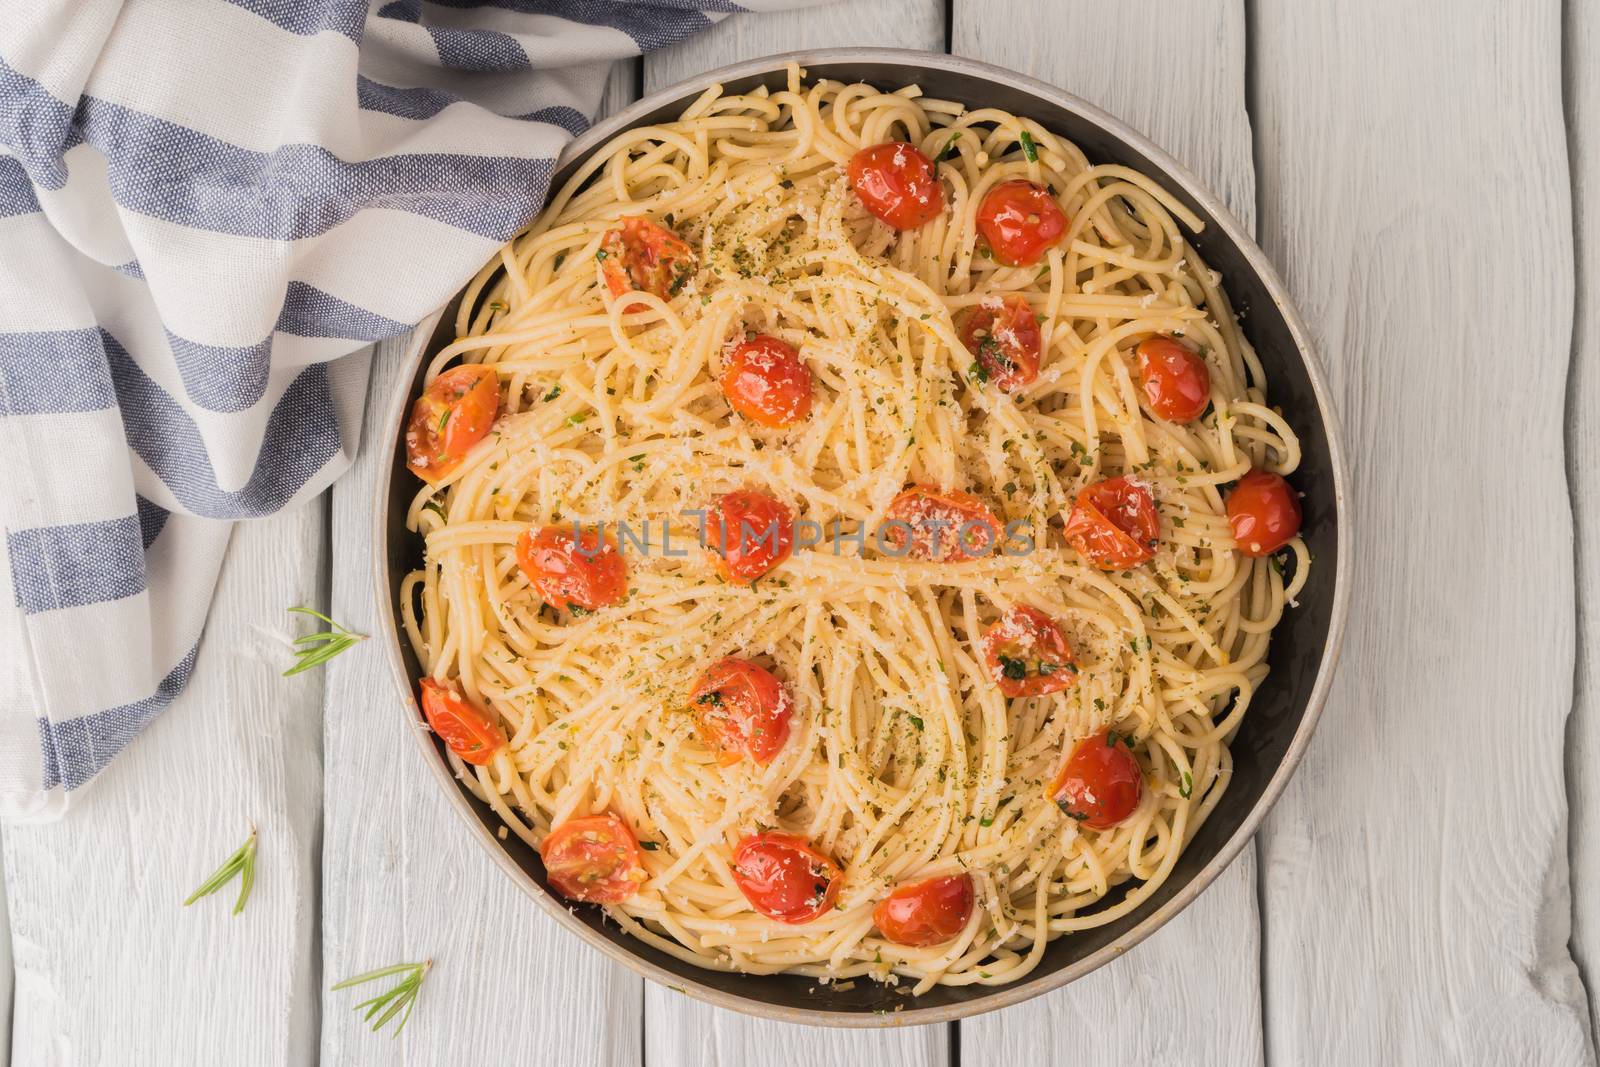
(208, 210)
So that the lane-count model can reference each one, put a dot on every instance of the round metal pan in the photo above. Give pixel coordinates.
(1304, 647)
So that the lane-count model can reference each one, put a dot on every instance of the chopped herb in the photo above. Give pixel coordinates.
(713, 698)
(600, 255)
(578, 419)
(649, 846)
(1099, 705)
(553, 393)
(1187, 789)
(577, 611)
(915, 721)
(561, 257)
(978, 372)
(949, 147)
(433, 506)
(444, 419)
(1029, 151)
(1013, 669)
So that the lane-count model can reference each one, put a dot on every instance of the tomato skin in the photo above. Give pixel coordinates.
(643, 255)
(1101, 782)
(928, 912)
(897, 184)
(586, 571)
(784, 878)
(947, 525)
(1005, 340)
(766, 382)
(1177, 382)
(462, 725)
(594, 858)
(749, 533)
(454, 413)
(742, 710)
(1021, 221)
(1114, 524)
(1031, 641)
(1264, 513)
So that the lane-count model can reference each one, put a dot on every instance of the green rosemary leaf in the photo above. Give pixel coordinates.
(399, 1000)
(319, 646)
(243, 864)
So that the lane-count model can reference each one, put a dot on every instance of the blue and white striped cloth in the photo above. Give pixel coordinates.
(204, 205)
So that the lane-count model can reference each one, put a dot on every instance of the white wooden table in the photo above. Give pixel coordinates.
(1427, 177)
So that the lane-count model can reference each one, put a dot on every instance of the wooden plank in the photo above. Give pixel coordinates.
(1582, 65)
(1415, 195)
(404, 881)
(678, 1030)
(1185, 88)
(110, 967)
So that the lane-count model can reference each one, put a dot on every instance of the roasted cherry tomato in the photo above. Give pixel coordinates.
(1004, 336)
(593, 858)
(465, 728)
(924, 913)
(1264, 512)
(1101, 783)
(1021, 221)
(749, 533)
(784, 878)
(583, 572)
(1027, 654)
(452, 414)
(765, 381)
(1114, 524)
(640, 254)
(940, 525)
(1177, 383)
(897, 184)
(742, 710)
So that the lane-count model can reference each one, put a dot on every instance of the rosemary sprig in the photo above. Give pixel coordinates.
(242, 863)
(315, 649)
(402, 996)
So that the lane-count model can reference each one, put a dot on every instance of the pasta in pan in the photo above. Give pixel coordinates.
(855, 525)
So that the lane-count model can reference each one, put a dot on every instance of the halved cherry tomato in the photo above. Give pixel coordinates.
(925, 913)
(1177, 383)
(1101, 783)
(584, 572)
(593, 858)
(765, 381)
(1021, 221)
(742, 710)
(1264, 512)
(897, 184)
(1114, 524)
(465, 728)
(1004, 336)
(944, 525)
(452, 414)
(1027, 654)
(749, 533)
(784, 878)
(642, 255)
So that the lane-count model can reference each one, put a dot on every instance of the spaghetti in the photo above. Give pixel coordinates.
(850, 754)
